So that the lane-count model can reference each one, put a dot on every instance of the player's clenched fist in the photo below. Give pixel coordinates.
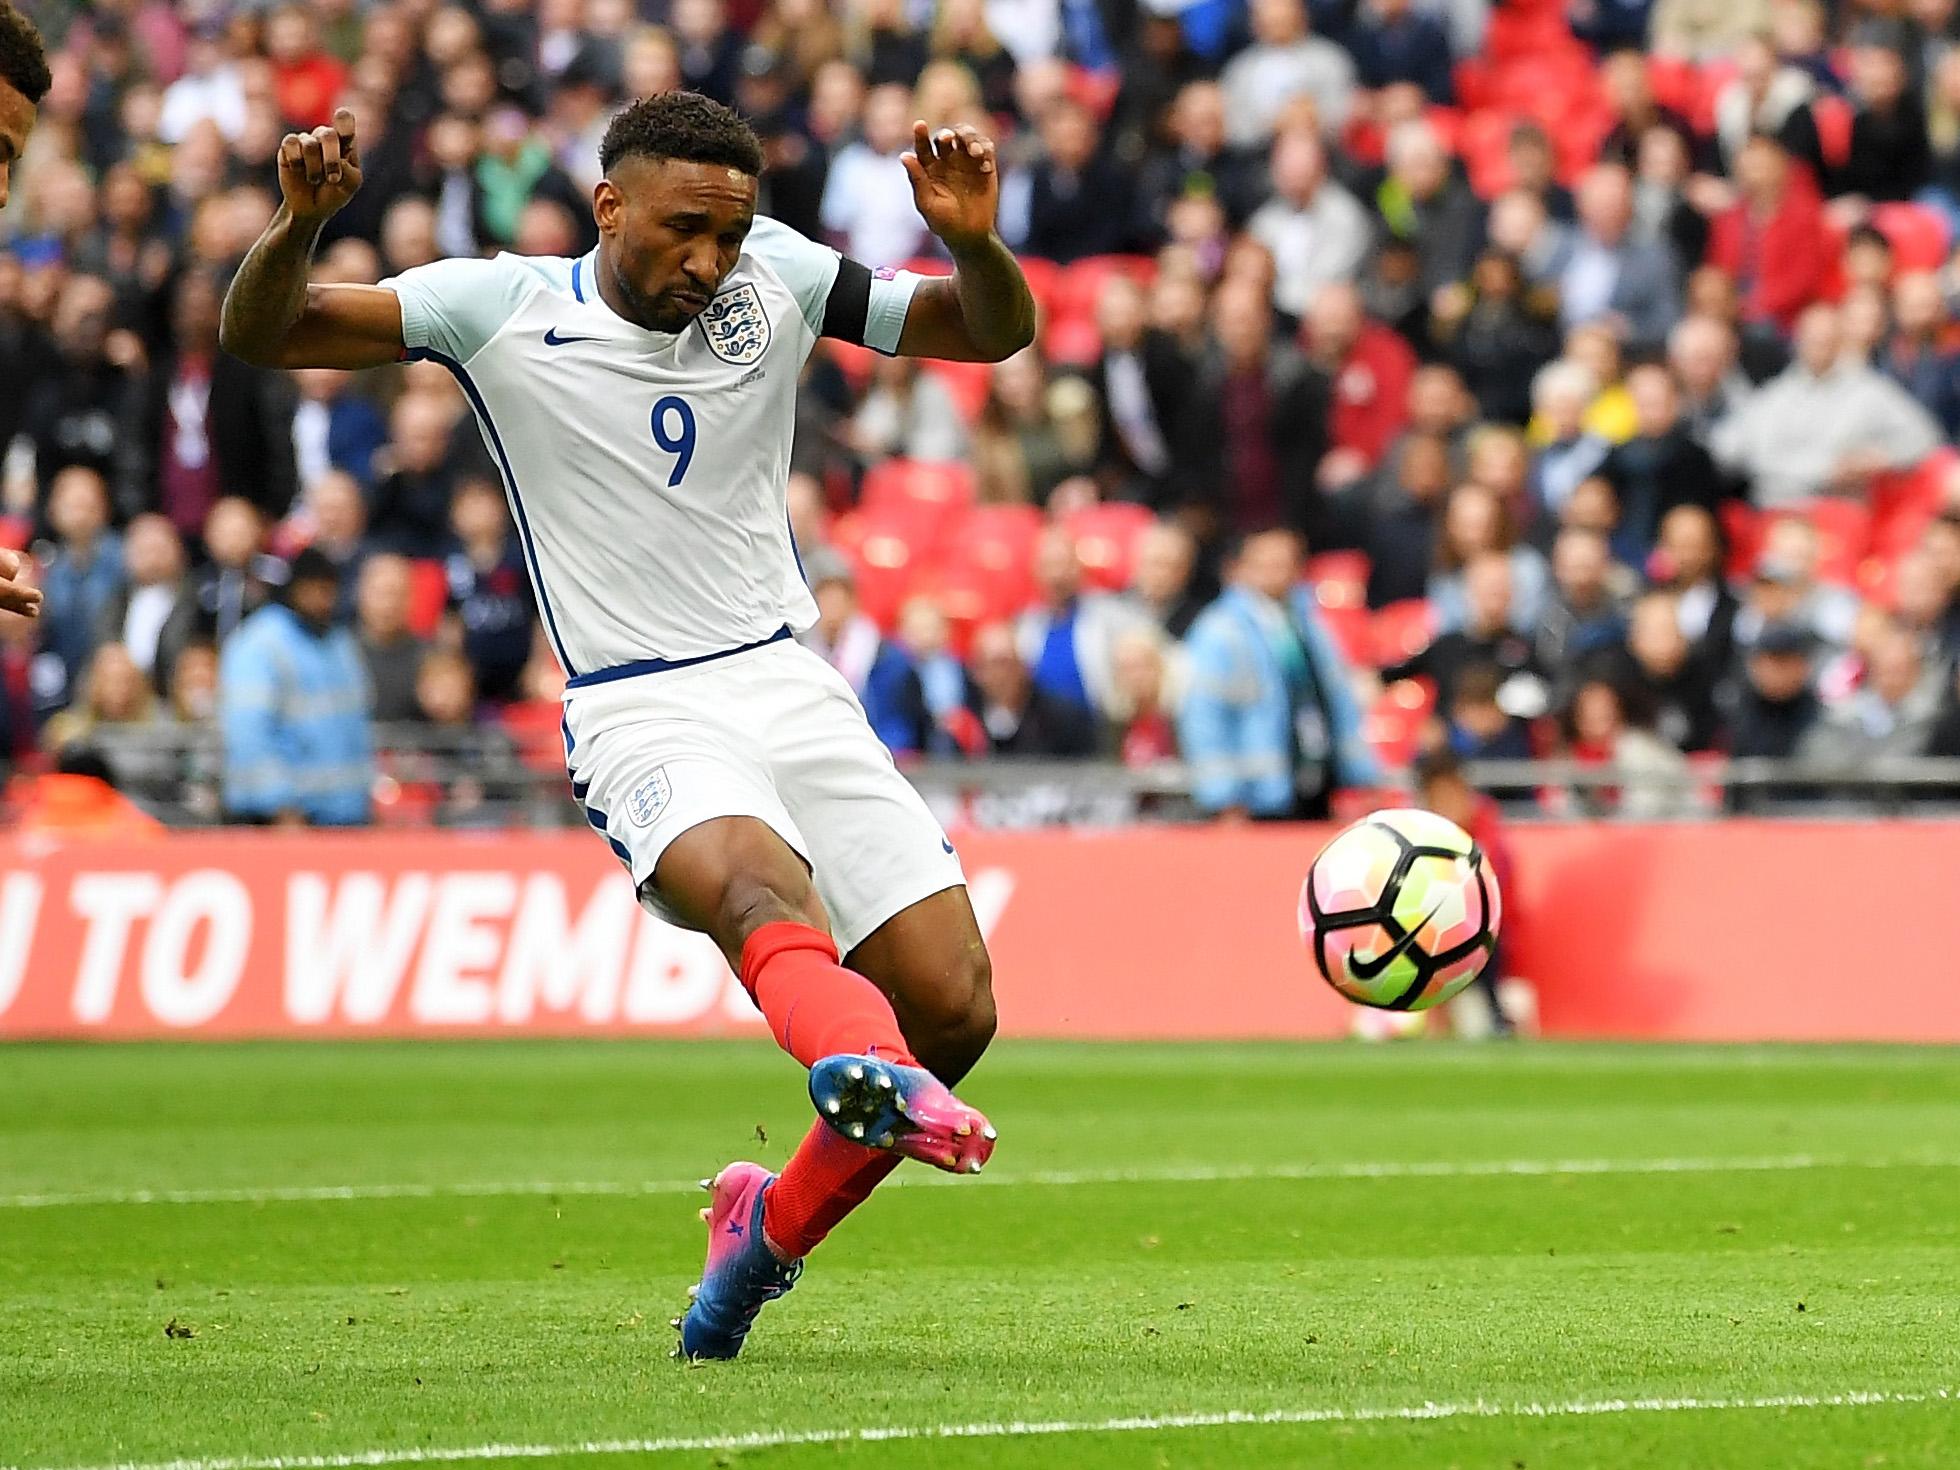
(319, 171)
(16, 596)
(955, 182)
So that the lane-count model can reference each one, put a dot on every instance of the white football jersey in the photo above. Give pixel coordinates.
(646, 470)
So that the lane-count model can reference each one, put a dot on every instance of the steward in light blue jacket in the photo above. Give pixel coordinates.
(1268, 722)
(293, 706)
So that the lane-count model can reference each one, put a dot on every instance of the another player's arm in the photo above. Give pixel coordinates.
(984, 311)
(273, 316)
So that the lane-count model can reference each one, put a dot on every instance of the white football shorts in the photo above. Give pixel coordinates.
(772, 732)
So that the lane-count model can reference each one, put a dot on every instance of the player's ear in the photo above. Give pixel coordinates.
(606, 206)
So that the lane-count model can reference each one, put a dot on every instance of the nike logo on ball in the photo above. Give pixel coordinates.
(552, 339)
(1368, 968)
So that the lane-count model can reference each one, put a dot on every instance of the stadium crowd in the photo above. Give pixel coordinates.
(1413, 375)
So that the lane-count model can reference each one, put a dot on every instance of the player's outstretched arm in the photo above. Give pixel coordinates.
(985, 311)
(272, 316)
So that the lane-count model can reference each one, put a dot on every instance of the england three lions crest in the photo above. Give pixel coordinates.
(736, 325)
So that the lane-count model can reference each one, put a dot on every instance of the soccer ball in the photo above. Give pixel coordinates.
(1400, 910)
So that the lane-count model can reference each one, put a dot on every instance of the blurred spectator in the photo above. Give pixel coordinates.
(1013, 716)
(148, 614)
(1773, 241)
(1476, 726)
(515, 169)
(1142, 382)
(194, 685)
(1768, 101)
(1599, 733)
(1475, 521)
(450, 735)
(1660, 467)
(1521, 227)
(879, 672)
(221, 426)
(1143, 729)
(79, 799)
(112, 691)
(1255, 427)
(1583, 615)
(409, 511)
(81, 577)
(1497, 334)
(1790, 554)
(1317, 231)
(1702, 352)
(335, 427)
(1703, 30)
(1824, 425)
(1889, 157)
(1401, 535)
(1196, 157)
(1284, 61)
(884, 46)
(1892, 715)
(942, 680)
(237, 576)
(962, 33)
(1370, 368)
(333, 518)
(1569, 452)
(1018, 453)
(1392, 41)
(489, 591)
(1664, 675)
(1423, 201)
(1079, 202)
(390, 651)
(306, 81)
(1866, 317)
(1268, 723)
(293, 705)
(1919, 355)
(1612, 271)
(1662, 210)
(1777, 705)
(907, 414)
(867, 202)
(1487, 638)
(211, 88)
(86, 407)
(1161, 583)
(1068, 637)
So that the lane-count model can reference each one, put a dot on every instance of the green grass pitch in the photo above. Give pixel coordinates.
(1405, 1257)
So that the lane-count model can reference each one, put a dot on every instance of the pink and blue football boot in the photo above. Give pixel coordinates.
(742, 1274)
(882, 1104)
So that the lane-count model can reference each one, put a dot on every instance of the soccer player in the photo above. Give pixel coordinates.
(24, 81)
(639, 403)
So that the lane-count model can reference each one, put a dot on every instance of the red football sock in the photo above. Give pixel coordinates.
(815, 1007)
(826, 1178)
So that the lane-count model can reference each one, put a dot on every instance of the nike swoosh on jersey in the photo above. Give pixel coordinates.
(552, 339)
(1369, 968)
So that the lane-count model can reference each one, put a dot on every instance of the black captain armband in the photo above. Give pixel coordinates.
(849, 305)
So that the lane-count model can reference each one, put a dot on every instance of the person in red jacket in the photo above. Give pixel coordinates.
(306, 80)
(1370, 366)
(1774, 240)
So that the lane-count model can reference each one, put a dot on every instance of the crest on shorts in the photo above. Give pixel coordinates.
(736, 325)
(649, 798)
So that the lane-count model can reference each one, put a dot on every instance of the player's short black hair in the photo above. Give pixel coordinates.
(682, 125)
(23, 55)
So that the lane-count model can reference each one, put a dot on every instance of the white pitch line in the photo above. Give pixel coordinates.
(1170, 1174)
(1016, 1429)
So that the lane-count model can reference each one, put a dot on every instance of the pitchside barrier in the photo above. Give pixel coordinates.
(1731, 930)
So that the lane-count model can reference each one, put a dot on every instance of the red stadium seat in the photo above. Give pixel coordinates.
(1403, 629)
(1485, 144)
(968, 382)
(926, 498)
(1743, 530)
(1338, 578)
(1919, 236)
(14, 531)
(1352, 630)
(428, 595)
(995, 543)
(1394, 724)
(853, 361)
(1072, 341)
(1676, 83)
(886, 551)
(1081, 283)
(1904, 502)
(1106, 539)
(1044, 279)
(1844, 533)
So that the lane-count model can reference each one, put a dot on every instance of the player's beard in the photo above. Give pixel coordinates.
(656, 313)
